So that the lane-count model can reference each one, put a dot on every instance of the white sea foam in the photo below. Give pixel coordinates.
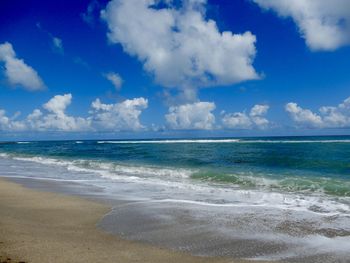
(179, 180)
(280, 201)
(109, 170)
(43, 160)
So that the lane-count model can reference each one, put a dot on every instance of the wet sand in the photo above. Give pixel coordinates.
(48, 227)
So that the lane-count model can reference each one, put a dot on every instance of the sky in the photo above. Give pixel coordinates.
(173, 68)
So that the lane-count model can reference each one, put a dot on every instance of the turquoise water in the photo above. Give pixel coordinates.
(290, 164)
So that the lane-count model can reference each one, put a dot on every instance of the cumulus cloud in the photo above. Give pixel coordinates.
(323, 24)
(115, 79)
(54, 118)
(17, 72)
(179, 46)
(119, 116)
(327, 117)
(122, 116)
(303, 116)
(242, 120)
(195, 116)
(10, 124)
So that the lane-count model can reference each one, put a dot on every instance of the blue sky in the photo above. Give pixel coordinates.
(290, 65)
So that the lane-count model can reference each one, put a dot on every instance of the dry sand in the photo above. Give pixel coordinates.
(47, 227)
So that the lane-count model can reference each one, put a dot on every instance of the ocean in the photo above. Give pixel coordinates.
(283, 197)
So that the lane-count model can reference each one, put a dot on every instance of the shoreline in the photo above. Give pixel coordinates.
(196, 232)
(38, 226)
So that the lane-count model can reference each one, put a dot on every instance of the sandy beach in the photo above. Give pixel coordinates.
(46, 227)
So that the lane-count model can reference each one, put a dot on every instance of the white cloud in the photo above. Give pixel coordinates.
(58, 104)
(17, 71)
(123, 116)
(257, 114)
(195, 116)
(119, 116)
(10, 124)
(324, 24)
(237, 120)
(55, 118)
(180, 47)
(328, 116)
(242, 120)
(303, 116)
(115, 79)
